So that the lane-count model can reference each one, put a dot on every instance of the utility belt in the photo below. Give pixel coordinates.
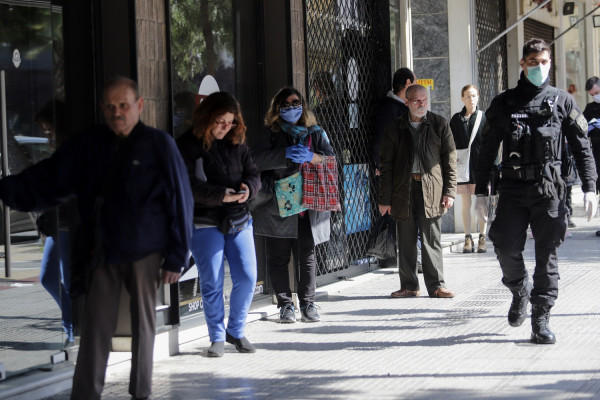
(525, 174)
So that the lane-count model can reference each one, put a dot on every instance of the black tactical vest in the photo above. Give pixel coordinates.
(535, 132)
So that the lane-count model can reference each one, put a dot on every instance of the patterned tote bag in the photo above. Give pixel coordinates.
(289, 195)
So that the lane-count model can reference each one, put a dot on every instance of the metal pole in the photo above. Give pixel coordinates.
(573, 26)
(504, 32)
(5, 173)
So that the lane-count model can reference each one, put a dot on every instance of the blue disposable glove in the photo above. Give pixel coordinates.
(299, 154)
(291, 151)
(302, 155)
(593, 124)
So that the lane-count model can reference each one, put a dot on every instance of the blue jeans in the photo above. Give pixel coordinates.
(209, 247)
(56, 277)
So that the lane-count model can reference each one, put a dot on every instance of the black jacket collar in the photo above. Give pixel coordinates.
(525, 87)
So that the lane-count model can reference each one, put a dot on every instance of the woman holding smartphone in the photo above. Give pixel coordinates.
(223, 178)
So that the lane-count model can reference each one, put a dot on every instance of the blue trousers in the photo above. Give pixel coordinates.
(209, 247)
(55, 277)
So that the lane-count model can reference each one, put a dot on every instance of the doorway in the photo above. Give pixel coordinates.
(32, 93)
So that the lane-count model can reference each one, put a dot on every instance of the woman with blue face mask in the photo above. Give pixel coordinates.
(291, 137)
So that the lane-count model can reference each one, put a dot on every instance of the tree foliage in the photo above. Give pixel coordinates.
(201, 32)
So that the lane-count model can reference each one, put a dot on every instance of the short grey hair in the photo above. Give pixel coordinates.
(413, 89)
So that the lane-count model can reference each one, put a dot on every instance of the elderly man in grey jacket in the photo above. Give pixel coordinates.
(418, 185)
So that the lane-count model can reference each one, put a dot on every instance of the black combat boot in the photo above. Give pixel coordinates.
(518, 307)
(540, 318)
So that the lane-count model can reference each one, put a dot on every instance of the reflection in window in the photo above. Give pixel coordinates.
(31, 34)
(31, 56)
(201, 45)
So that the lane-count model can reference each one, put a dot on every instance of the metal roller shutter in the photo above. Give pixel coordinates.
(490, 17)
(534, 29)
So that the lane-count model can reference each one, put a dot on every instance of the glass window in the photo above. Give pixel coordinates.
(574, 44)
(202, 54)
(202, 62)
(36, 319)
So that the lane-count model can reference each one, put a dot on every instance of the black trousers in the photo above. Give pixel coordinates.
(279, 251)
(520, 204)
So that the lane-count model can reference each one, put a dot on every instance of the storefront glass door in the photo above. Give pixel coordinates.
(32, 93)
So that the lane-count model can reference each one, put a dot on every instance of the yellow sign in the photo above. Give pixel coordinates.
(428, 83)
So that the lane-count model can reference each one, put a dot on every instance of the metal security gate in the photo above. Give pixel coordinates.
(339, 37)
(490, 17)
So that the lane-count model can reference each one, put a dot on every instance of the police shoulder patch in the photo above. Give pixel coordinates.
(582, 123)
(576, 116)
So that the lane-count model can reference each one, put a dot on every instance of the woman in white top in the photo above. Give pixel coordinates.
(466, 127)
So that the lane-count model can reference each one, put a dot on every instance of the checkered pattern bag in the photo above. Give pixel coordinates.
(320, 185)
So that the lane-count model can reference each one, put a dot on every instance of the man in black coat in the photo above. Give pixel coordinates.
(592, 115)
(391, 107)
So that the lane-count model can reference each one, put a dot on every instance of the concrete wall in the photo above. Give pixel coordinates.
(462, 50)
(430, 50)
(430, 57)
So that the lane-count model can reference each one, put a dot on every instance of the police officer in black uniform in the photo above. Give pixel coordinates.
(531, 121)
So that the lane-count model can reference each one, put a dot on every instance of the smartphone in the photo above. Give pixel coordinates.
(240, 192)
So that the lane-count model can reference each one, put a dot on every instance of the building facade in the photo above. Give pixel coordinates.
(340, 54)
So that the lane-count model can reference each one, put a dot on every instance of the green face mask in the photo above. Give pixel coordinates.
(538, 74)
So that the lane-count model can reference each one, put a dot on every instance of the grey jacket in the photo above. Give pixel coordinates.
(269, 156)
(438, 161)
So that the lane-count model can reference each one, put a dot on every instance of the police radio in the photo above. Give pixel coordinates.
(519, 140)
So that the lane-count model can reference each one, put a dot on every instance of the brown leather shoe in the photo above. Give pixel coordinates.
(443, 293)
(398, 294)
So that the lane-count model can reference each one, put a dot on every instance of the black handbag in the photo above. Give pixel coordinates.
(265, 194)
(235, 219)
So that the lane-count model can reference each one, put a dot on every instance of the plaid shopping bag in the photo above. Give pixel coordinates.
(320, 185)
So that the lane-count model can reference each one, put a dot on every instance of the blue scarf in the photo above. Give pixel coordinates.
(298, 132)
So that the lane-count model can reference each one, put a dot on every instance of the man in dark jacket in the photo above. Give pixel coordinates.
(144, 221)
(390, 108)
(418, 185)
(531, 122)
(592, 115)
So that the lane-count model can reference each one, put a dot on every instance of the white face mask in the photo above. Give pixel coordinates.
(596, 98)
